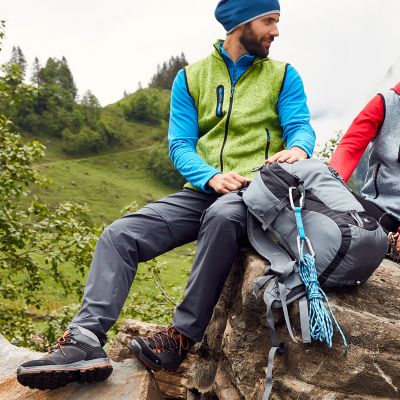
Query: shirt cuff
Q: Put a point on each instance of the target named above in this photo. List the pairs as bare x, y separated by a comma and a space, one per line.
203, 183
302, 146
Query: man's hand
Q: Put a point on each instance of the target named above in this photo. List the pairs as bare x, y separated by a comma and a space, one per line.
394, 240
289, 156
225, 183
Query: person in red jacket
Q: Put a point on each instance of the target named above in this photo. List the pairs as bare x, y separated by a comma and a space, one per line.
377, 124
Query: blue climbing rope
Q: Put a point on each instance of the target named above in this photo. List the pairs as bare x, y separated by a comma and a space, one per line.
321, 325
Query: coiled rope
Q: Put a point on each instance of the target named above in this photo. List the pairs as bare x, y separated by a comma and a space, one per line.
321, 317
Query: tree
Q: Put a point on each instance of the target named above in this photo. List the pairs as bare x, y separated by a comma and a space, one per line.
90, 108
54, 108
57, 72
159, 163
165, 75
17, 97
36, 67
36, 240
18, 58
145, 106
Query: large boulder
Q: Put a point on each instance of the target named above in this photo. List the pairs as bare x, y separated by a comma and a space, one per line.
129, 380
233, 355
230, 362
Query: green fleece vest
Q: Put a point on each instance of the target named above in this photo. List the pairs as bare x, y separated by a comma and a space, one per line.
233, 121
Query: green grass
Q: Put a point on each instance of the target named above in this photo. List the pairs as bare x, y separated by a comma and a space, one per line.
106, 183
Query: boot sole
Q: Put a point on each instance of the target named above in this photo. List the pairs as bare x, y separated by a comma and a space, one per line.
52, 377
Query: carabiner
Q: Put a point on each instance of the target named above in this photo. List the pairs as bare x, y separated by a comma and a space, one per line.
302, 197
300, 248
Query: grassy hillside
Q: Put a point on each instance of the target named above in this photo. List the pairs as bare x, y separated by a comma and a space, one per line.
107, 182
114, 178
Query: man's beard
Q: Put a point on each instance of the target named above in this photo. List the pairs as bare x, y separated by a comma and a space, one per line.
250, 42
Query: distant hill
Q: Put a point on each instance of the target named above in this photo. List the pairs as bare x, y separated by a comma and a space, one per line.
113, 178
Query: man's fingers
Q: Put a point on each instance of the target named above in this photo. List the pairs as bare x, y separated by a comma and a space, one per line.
292, 159
238, 177
231, 184
275, 157
229, 178
284, 157
289, 156
222, 190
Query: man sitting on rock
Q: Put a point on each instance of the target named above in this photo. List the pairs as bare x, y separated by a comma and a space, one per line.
230, 112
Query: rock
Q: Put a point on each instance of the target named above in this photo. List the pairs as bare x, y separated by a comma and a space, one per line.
230, 362
233, 355
129, 380
12, 356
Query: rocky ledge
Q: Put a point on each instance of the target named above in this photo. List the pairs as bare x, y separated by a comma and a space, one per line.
230, 362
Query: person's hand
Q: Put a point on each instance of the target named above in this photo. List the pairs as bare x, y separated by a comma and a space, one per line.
225, 183
394, 240
289, 156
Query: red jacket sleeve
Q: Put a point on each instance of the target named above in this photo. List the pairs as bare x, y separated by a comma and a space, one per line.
353, 144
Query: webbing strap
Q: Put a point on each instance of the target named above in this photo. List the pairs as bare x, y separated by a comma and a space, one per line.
264, 244
299, 222
284, 272
304, 320
260, 283
268, 382
268, 300
283, 292
274, 213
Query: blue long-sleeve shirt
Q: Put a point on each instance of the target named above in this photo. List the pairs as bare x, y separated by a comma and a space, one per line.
183, 131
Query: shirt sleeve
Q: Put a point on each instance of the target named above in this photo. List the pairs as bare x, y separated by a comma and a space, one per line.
354, 143
183, 134
294, 114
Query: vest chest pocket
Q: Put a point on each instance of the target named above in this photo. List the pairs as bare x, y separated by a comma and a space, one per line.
220, 101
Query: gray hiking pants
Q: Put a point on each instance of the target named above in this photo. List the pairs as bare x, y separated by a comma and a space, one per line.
217, 222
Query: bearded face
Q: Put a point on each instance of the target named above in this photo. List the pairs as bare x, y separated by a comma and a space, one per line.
256, 36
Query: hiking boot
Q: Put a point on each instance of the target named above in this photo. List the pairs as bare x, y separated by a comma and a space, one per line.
163, 350
76, 357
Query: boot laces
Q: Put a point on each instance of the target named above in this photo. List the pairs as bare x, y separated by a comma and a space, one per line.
169, 339
63, 340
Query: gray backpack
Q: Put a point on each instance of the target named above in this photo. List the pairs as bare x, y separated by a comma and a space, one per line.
344, 245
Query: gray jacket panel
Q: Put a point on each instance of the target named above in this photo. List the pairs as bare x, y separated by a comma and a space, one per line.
382, 183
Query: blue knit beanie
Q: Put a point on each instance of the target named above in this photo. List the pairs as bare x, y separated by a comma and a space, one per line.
233, 13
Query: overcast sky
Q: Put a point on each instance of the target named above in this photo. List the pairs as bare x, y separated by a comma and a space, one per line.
341, 48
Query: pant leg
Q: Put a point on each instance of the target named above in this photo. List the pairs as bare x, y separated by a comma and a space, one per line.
140, 236
223, 226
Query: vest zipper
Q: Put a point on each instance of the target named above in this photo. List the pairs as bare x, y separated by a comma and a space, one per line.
221, 161
233, 84
376, 173
255, 169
